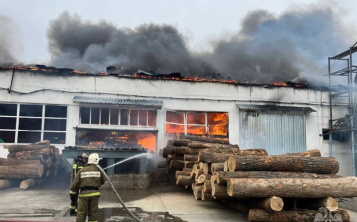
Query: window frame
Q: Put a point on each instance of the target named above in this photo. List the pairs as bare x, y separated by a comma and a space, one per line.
119, 115
43, 118
186, 124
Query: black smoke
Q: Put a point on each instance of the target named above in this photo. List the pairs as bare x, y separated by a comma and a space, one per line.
92, 47
6, 42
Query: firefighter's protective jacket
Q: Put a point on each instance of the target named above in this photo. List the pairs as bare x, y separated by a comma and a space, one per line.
87, 180
77, 166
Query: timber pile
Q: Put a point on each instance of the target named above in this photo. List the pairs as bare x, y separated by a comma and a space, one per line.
289, 187
29, 165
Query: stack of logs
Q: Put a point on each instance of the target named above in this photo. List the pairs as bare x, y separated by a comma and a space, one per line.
29, 165
289, 187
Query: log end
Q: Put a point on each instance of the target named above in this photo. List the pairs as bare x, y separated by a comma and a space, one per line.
331, 204
229, 187
231, 164
276, 203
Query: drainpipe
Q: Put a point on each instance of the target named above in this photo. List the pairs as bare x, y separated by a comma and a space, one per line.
12, 79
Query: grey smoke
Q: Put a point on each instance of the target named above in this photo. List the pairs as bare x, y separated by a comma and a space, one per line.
6, 42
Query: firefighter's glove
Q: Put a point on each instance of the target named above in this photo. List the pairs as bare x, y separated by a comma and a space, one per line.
72, 196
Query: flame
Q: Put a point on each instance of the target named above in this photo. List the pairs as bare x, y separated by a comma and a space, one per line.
217, 124
278, 83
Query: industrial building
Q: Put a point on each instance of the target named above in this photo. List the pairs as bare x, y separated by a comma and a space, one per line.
108, 110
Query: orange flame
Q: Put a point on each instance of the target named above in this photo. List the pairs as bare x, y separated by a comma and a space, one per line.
217, 124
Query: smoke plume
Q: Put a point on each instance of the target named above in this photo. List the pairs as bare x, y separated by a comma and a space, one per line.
266, 48
93, 47
6, 42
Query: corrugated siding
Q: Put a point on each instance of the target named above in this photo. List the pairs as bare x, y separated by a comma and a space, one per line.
277, 133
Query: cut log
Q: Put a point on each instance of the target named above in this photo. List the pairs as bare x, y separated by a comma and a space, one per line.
184, 180
309, 153
215, 167
161, 164
19, 148
237, 205
165, 152
270, 204
173, 157
197, 192
223, 176
29, 183
219, 192
206, 195
316, 203
188, 157
207, 168
202, 145
2, 160
258, 215
225, 166
203, 139
200, 165
212, 157
323, 165
202, 178
198, 173
184, 173
4, 184
47, 162
177, 164
189, 164
213, 181
207, 188
293, 187
22, 171
181, 142
11, 162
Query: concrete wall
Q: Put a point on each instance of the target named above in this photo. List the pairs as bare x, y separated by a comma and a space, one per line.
49, 88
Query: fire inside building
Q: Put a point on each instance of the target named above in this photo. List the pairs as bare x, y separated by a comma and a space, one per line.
145, 110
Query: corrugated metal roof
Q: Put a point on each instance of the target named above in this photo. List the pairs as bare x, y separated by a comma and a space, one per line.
118, 101
264, 108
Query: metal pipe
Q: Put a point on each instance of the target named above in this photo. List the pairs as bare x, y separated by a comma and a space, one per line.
330, 98
12, 79
353, 116
117, 195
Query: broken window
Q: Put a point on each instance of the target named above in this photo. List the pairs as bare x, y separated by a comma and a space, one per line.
25, 123
197, 123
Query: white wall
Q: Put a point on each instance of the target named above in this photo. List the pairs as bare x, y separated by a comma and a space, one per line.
176, 95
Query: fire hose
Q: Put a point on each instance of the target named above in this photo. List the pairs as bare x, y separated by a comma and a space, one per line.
117, 195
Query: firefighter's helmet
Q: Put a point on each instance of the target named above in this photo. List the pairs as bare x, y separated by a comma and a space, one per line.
83, 158
94, 158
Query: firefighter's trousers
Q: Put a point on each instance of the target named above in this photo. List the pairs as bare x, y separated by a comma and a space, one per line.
87, 205
74, 204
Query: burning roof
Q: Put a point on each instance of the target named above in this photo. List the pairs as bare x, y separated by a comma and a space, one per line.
140, 74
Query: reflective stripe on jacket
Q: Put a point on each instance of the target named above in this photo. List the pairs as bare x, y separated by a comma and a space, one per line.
89, 176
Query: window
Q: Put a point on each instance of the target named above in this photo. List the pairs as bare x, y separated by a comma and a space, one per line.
197, 123
27, 123
115, 116
343, 136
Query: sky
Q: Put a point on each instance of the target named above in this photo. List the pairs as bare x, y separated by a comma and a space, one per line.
208, 33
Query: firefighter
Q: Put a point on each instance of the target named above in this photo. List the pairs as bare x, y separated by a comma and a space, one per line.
87, 181
78, 164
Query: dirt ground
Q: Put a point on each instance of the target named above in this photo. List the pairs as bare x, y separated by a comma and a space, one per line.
159, 203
